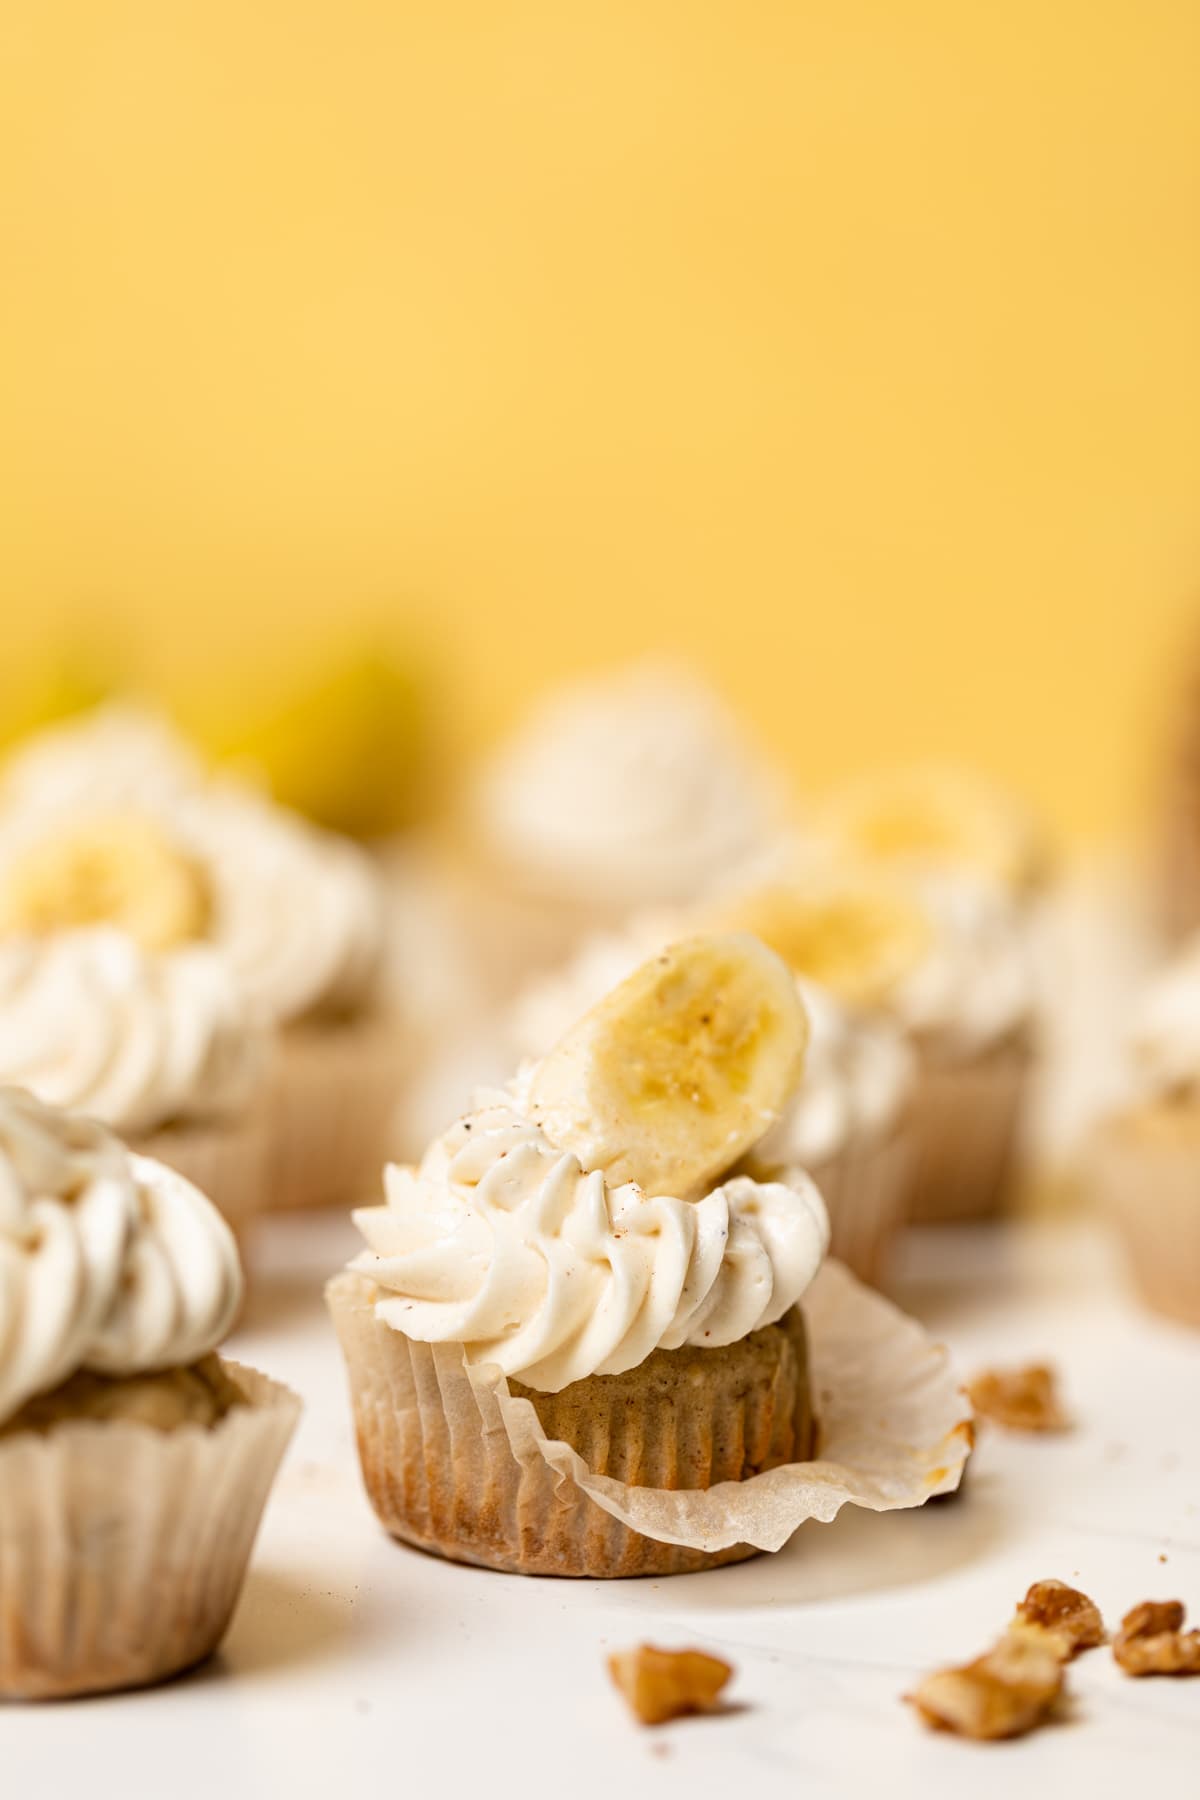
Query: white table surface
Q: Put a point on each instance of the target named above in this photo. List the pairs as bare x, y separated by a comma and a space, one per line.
357, 1666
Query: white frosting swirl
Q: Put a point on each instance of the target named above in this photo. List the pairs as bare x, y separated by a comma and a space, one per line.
108, 1261
1165, 1039
857, 1071
299, 913
502, 1243
90, 1021
975, 985
117, 756
631, 789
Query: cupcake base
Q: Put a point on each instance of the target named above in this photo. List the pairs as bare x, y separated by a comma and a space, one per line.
228, 1163
123, 1548
965, 1116
1144, 1170
441, 1474
331, 1107
866, 1191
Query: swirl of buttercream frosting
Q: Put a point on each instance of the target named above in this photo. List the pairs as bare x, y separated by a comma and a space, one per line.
108, 1261
629, 789
90, 1021
503, 1243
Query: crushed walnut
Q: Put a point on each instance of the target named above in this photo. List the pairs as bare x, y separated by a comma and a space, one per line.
1004, 1694
1019, 1399
1152, 1641
665, 1684
1066, 1619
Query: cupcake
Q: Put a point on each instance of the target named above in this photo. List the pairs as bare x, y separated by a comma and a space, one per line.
848, 1122
88, 835
934, 819
134, 1461
157, 1045
575, 1341
946, 962
1144, 1162
626, 791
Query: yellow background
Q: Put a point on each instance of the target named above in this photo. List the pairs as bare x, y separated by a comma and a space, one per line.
850, 344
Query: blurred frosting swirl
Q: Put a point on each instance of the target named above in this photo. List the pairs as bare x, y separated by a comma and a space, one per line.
108, 1262
974, 986
630, 789
1165, 1038
90, 1021
502, 1243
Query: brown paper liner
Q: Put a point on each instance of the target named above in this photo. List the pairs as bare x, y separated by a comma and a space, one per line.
123, 1549
228, 1162
965, 1115
330, 1106
866, 1190
1146, 1178
456, 1462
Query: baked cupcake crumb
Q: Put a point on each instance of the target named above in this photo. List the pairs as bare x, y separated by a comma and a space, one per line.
1152, 1641
1009, 1691
202, 1394
1024, 1399
660, 1685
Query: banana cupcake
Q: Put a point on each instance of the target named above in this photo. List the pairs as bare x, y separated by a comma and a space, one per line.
158, 1045
946, 962
574, 1343
1144, 1163
173, 857
848, 1122
630, 790
134, 1462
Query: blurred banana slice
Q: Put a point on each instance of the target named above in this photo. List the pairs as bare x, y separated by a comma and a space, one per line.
856, 934
680, 1069
120, 871
932, 816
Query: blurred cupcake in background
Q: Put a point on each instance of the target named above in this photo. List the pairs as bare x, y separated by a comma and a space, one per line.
847, 1125
946, 964
156, 1044
111, 821
629, 790
1144, 1161
932, 819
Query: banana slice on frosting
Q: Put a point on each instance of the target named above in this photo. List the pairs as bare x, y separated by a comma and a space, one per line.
121, 871
678, 1071
854, 934
930, 815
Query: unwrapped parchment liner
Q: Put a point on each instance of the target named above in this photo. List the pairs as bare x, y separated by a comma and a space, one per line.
123, 1549
894, 1429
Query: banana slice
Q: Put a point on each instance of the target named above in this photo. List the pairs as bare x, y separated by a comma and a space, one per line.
680, 1069
929, 814
120, 871
857, 935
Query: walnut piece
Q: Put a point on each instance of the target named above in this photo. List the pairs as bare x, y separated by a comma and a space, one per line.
1152, 1641
1064, 1618
664, 1684
1009, 1691
1019, 1399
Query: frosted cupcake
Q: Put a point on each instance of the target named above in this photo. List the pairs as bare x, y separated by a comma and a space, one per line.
156, 1045
630, 790
134, 1462
1144, 1164
575, 1343
946, 962
110, 821
847, 1124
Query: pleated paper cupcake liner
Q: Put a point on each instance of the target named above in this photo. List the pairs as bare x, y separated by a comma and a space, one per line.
1148, 1185
866, 1189
330, 1106
123, 1549
456, 1462
965, 1119
228, 1162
